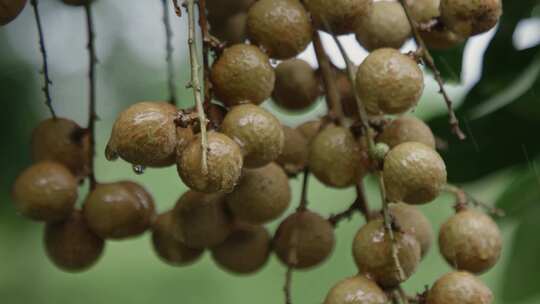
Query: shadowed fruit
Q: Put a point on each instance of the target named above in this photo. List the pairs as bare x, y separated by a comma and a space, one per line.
356, 290
423, 11
441, 38
231, 30
10, 9
340, 15
221, 10
294, 156
310, 129
297, 85
459, 288
412, 221
407, 129
468, 18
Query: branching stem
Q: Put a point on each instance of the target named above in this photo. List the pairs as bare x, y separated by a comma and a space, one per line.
92, 116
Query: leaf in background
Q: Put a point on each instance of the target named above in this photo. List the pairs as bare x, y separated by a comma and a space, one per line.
522, 195
449, 62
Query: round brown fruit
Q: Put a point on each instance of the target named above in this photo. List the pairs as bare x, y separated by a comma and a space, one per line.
339, 15
372, 251
413, 173
468, 18
167, 247
407, 129
245, 251
262, 195
145, 134
389, 82
304, 239
356, 290
224, 161
71, 245
294, 157
459, 288
46, 191
470, 240
297, 85
231, 30
10, 9
440, 38
412, 221
201, 219
424, 11
310, 129
242, 74
257, 131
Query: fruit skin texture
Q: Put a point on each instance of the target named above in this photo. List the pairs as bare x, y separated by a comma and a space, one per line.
224, 160
407, 129
145, 134
280, 27
339, 14
413, 173
412, 221
232, 29
459, 288
71, 245
423, 11
356, 290
262, 195
372, 251
310, 129
245, 251
297, 85
201, 220
470, 240
441, 38
386, 26
335, 157
468, 18
389, 82
10, 9
257, 131
305, 235
119, 210
46, 191
294, 156
167, 247
242, 74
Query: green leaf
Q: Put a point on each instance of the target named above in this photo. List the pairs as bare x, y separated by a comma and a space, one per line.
522, 194
449, 62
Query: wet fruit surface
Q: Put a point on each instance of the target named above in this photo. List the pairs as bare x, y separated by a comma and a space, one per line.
459, 288
356, 290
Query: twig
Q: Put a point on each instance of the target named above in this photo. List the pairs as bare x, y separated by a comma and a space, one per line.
426, 55
169, 49
203, 24
92, 116
303, 196
463, 199
359, 204
45, 68
287, 286
177, 9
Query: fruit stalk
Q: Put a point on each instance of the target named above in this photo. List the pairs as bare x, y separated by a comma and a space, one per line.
92, 116
359, 204
169, 51
203, 24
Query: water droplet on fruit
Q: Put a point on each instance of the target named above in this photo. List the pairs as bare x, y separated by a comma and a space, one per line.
110, 153
138, 169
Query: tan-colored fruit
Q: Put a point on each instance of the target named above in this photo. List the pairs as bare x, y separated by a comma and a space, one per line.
10, 9
294, 156
201, 219
470, 240
372, 251
224, 161
76, 2
339, 15
184, 136
459, 288
262, 195
441, 38
119, 210
423, 11
407, 129
46, 191
297, 85
281, 27
231, 30
63, 141
356, 290
469, 18
335, 157
257, 131
413, 173
304, 239
145, 134
412, 221
386, 26
389, 82
167, 247
242, 74
310, 129
71, 245
245, 251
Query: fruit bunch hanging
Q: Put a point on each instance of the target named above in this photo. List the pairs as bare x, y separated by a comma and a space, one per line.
237, 157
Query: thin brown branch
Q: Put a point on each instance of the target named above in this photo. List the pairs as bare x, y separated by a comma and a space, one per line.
426, 55
177, 9
287, 286
464, 199
92, 116
203, 24
303, 196
169, 50
45, 68
359, 205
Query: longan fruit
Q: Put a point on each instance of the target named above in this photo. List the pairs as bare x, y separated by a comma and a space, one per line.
340, 15
386, 26
262, 194
280, 27
257, 131
407, 129
413, 173
303, 240
167, 247
245, 251
440, 38
231, 30
201, 219
45, 191
372, 252
77, 2
468, 18
294, 156
10, 9
223, 9
71, 245
297, 85
412, 221
389, 82
310, 129
184, 136
346, 93
459, 288
423, 11
119, 210
224, 161
356, 290
470, 240
145, 134
242, 74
